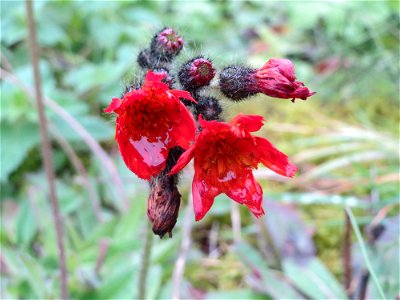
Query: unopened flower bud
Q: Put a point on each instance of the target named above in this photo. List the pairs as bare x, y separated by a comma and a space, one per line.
164, 199
276, 78
163, 204
166, 44
196, 73
144, 59
208, 107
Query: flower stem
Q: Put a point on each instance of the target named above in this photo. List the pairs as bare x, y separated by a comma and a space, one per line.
144, 267
46, 149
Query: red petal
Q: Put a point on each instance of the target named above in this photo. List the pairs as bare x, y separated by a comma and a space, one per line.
210, 124
250, 123
203, 196
152, 77
277, 79
183, 160
285, 67
274, 159
143, 158
114, 105
184, 132
249, 194
182, 94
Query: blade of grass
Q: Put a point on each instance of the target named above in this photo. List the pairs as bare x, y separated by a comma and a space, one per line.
364, 251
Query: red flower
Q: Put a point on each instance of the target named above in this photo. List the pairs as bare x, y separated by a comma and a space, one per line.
277, 79
224, 156
150, 121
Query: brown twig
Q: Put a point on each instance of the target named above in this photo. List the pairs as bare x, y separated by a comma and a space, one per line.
347, 254
80, 130
46, 148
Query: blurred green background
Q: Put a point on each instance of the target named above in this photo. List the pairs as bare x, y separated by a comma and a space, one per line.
345, 140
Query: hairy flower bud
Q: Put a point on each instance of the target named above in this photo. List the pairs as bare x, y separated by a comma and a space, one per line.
276, 78
237, 82
144, 59
129, 88
166, 44
196, 73
208, 107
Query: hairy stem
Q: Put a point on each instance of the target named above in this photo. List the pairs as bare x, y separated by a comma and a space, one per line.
46, 148
144, 267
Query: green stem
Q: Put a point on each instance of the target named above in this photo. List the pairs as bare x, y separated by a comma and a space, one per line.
364, 252
144, 267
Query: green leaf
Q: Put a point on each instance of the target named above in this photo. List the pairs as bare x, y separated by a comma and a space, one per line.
26, 224
153, 282
234, 294
16, 141
35, 276
268, 281
313, 279
120, 284
98, 128
90, 76
317, 198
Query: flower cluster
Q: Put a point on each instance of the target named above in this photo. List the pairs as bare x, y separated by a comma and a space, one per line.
157, 133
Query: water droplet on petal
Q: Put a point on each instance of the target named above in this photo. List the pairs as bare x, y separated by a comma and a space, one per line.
153, 153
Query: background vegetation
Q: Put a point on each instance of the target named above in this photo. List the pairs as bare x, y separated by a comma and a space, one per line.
344, 139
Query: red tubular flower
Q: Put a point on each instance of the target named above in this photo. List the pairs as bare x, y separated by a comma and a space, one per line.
277, 79
224, 156
150, 121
